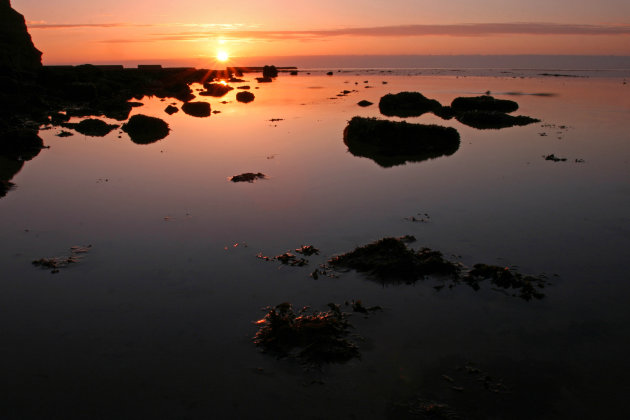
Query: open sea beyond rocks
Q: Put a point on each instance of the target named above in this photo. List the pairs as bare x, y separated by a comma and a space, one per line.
164, 264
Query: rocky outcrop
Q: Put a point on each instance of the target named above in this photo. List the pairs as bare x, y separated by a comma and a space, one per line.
18, 55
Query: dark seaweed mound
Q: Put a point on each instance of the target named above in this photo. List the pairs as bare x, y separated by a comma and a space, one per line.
407, 104
391, 143
389, 259
314, 338
505, 278
143, 129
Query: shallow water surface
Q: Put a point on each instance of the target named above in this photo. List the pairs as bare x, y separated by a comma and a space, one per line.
156, 319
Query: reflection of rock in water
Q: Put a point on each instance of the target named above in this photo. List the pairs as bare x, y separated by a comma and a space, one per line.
483, 120
16, 147
143, 129
391, 143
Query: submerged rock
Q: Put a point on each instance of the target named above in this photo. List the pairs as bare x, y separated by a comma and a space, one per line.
391, 143
364, 103
92, 127
407, 104
197, 109
315, 338
245, 97
143, 129
492, 119
483, 103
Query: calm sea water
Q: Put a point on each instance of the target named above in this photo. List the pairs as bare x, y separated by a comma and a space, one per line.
155, 321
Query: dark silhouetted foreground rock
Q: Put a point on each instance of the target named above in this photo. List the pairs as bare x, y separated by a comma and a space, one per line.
245, 97
483, 103
143, 129
364, 103
92, 127
391, 143
315, 338
407, 104
492, 119
215, 89
197, 109
248, 177
20, 144
18, 56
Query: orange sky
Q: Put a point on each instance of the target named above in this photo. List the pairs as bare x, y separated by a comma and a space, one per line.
73, 31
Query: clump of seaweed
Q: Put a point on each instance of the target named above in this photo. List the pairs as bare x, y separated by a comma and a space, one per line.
407, 104
92, 127
55, 263
482, 119
483, 103
307, 250
315, 338
197, 109
248, 177
555, 158
505, 278
245, 97
391, 143
390, 260
143, 129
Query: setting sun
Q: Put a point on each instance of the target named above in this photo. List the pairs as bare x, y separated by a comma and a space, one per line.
222, 56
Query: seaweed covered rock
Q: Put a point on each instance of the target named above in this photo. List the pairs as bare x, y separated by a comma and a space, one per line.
313, 338
215, 89
245, 97
197, 109
483, 103
492, 119
407, 104
391, 143
143, 129
92, 127
270, 71
390, 260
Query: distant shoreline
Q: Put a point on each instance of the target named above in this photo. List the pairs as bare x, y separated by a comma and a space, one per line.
527, 62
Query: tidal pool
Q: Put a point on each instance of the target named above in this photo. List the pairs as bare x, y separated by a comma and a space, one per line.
156, 318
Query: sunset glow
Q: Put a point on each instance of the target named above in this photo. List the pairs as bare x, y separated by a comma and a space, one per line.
222, 56
70, 31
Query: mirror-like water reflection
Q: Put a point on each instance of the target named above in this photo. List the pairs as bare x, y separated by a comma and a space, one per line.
156, 319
